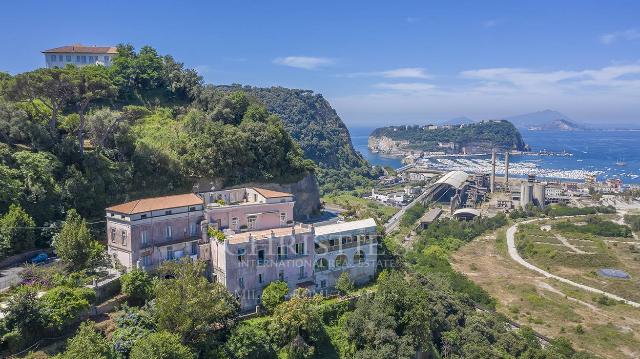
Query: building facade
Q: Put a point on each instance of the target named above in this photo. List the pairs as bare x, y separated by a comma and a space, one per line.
261, 243
145, 232
79, 55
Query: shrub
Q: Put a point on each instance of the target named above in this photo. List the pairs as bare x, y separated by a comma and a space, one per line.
161, 345
137, 285
250, 341
63, 305
344, 284
274, 294
88, 343
132, 325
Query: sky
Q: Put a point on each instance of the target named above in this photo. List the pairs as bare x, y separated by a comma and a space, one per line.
377, 62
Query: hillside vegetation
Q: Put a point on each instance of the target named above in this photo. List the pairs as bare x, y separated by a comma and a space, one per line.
88, 137
323, 137
481, 136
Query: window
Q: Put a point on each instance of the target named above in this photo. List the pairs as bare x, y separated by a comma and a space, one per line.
241, 282
53, 58
167, 212
194, 248
143, 216
78, 58
68, 58
283, 218
323, 283
282, 252
321, 265
234, 222
260, 278
169, 232
84, 59
358, 257
281, 275
241, 254
60, 58
106, 59
193, 228
332, 242
192, 209
251, 222
113, 235
299, 247
169, 253
301, 273
255, 197
261, 257
124, 237
146, 260
341, 260
144, 238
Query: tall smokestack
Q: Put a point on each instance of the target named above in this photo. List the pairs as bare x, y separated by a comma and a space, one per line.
493, 170
506, 169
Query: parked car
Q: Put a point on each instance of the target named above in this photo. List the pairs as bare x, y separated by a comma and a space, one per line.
40, 258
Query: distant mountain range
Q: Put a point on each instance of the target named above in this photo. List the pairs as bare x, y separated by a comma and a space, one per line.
544, 120
547, 120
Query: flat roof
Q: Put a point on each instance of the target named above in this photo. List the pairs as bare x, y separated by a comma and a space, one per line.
431, 215
264, 234
345, 226
267, 193
156, 203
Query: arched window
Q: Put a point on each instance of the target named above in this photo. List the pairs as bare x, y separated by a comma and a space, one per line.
321, 265
341, 260
359, 257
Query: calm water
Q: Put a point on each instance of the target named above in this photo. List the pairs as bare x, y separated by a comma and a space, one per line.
592, 150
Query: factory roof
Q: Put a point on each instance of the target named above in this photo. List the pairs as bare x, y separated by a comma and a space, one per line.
466, 212
345, 227
431, 216
454, 179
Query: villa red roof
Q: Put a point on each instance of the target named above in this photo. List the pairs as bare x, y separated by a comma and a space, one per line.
267, 193
81, 49
157, 203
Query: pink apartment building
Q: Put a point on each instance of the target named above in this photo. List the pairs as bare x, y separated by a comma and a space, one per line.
145, 232
261, 242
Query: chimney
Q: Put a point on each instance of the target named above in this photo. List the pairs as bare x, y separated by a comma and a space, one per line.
493, 170
506, 170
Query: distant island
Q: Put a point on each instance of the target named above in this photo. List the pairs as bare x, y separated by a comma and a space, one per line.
480, 137
547, 120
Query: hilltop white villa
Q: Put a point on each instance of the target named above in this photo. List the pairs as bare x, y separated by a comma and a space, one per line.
79, 55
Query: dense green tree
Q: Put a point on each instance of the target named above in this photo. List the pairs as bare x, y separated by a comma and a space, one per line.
52, 87
17, 231
63, 304
161, 345
297, 324
75, 246
24, 314
40, 195
101, 124
90, 84
274, 294
190, 306
137, 285
249, 341
344, 284
88, 343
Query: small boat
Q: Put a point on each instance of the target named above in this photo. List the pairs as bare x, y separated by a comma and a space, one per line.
620, 164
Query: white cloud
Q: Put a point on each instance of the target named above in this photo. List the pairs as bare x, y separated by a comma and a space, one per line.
630, 34
304, 62
403, 72
406, 86
598, 95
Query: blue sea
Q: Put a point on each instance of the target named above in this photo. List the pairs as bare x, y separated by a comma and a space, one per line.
592, 150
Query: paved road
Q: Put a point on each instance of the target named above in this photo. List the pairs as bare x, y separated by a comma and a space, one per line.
513, 252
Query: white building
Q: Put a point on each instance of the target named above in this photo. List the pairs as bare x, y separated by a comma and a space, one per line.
79, 55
